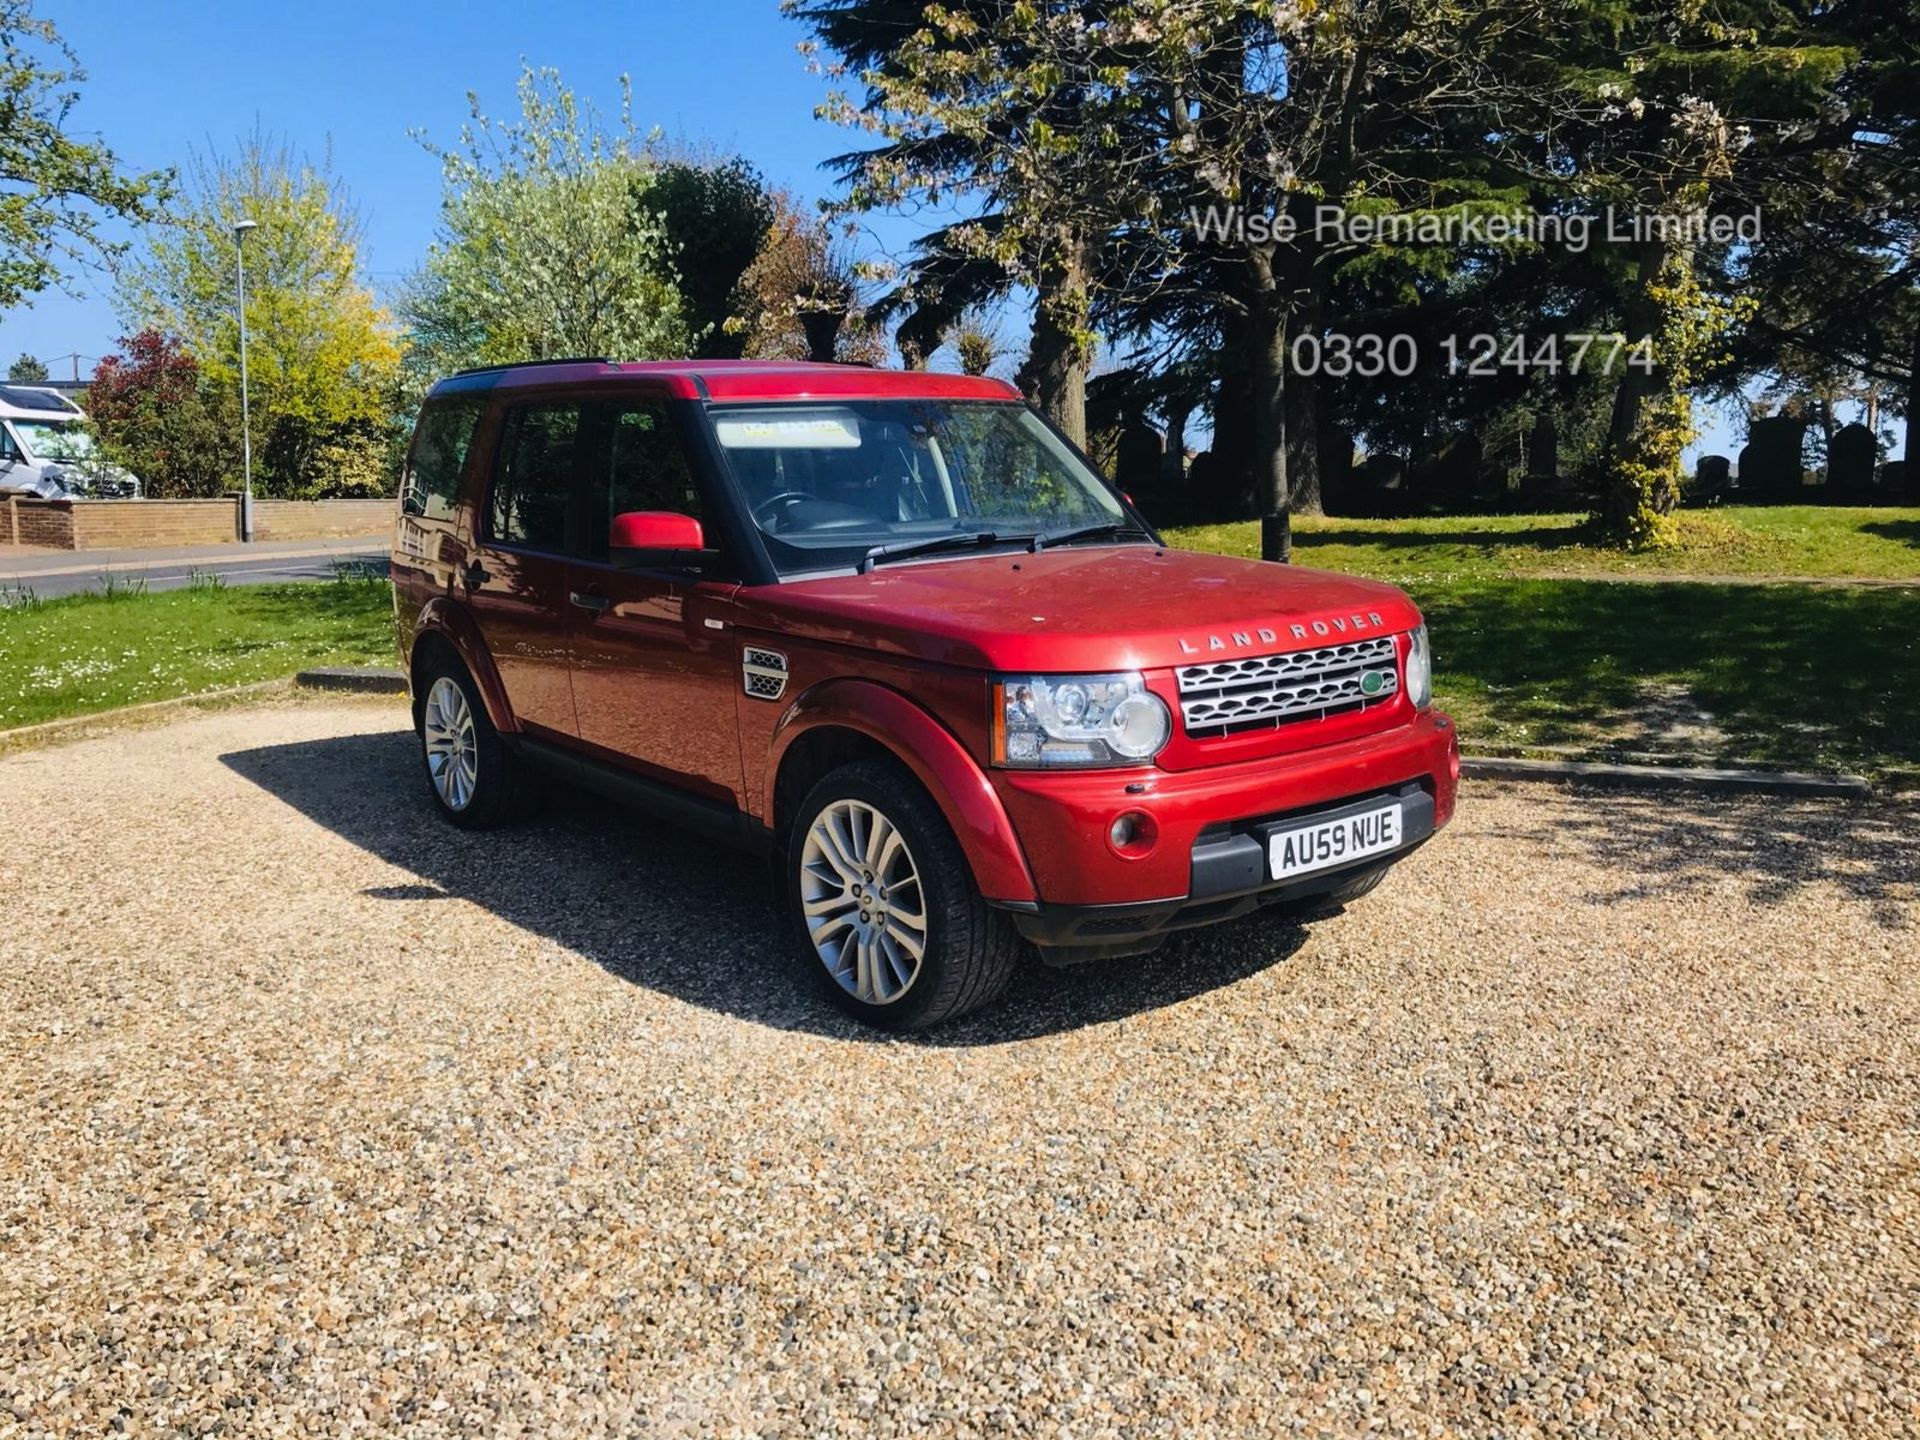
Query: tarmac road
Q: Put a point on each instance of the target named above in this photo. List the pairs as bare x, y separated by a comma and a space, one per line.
50, 574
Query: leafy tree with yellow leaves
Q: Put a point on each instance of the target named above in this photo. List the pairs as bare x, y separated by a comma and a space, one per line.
323, 355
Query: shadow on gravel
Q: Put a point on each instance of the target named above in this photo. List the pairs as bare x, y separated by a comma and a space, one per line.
666, 909
1773, 848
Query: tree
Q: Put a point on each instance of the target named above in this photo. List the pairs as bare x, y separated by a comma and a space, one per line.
323, 357
55, 190
715, 217
549, 245
1668, 114
799, 300
1835, 274
976, 342
157, 416
1098, 133
1013, 109
27, 371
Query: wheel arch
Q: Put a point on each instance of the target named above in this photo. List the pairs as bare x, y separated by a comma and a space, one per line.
444, 629
846, 720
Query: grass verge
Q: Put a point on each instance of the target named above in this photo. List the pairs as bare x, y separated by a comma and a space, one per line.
1794, 676
1783, 540
1787, 676
87, 653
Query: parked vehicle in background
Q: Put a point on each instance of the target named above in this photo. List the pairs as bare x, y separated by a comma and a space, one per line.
892, 629
46, 450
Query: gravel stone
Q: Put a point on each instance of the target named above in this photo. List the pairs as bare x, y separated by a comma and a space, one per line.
322, 1118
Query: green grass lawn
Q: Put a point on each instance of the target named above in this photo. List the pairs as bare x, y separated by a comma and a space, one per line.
1794, 676
1802, 676
1790, 675
94, 652
1788, 540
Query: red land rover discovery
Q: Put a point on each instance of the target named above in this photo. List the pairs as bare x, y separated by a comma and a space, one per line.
895, 630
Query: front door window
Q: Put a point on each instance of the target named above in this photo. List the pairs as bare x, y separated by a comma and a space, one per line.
655, 674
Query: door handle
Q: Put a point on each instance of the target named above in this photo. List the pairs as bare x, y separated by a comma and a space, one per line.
598, 604
474, 574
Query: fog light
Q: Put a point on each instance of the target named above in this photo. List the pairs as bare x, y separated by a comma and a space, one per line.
1133, 834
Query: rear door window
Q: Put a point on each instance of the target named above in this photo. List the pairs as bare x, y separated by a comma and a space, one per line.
431, 486
534, 501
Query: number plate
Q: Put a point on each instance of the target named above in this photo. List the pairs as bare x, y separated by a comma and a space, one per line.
1328, 843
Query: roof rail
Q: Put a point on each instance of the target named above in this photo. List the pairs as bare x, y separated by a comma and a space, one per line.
529, 364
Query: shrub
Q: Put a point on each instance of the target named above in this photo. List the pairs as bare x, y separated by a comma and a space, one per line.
156, 414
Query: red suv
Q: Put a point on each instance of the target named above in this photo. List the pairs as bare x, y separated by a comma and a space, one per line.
892, 629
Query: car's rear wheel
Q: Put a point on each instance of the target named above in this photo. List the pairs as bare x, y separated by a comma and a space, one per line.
473, 776
883, 904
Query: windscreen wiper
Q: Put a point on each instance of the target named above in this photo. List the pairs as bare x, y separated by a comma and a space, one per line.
961, 540
1115, 528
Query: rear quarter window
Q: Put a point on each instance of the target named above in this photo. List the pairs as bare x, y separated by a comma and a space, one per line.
431, 486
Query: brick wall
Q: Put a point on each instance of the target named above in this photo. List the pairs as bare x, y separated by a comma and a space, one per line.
117, 524
321, 519
129, 524
38, 522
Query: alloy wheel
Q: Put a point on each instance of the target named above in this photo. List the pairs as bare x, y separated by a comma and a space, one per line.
860, 894
452, 755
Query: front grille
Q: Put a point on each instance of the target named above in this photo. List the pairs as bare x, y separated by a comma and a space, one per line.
1230, 697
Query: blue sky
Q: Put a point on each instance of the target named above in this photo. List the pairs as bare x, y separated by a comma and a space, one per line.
166, 79
357, 76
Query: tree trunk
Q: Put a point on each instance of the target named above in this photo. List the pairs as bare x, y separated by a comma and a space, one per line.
1056, 368
1640, 482
1303, 445
822, 329
1642, 321
1268, 352
1173, 457
1912, 451
1230, 466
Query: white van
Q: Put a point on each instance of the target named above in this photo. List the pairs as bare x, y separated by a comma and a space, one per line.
47, 450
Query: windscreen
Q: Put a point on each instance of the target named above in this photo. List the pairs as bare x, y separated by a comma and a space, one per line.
827, 483
56, 439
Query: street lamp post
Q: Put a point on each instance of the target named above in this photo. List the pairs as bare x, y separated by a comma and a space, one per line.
240, 229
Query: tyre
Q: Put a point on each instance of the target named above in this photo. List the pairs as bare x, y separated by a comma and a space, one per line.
473, 775
1362, 882
883, 906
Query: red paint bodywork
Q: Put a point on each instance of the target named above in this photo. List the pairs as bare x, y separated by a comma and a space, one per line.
903, 656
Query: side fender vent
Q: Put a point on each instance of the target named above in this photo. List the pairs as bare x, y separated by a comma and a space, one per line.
765, 672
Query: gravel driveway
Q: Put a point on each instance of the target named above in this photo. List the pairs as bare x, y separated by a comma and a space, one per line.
319, 1117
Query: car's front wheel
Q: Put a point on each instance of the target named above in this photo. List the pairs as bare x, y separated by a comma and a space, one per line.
883, 904
1361, 882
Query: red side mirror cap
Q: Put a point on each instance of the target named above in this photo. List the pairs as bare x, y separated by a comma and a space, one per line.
655, 530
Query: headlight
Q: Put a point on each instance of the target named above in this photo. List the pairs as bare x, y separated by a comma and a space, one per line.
1419, 669
1042, 721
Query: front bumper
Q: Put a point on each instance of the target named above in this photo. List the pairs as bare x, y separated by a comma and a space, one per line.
1063, 818
1229, 879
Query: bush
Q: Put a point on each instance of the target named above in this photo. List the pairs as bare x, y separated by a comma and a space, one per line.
155, 414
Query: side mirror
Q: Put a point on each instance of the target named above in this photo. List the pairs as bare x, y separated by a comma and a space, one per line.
642, 539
